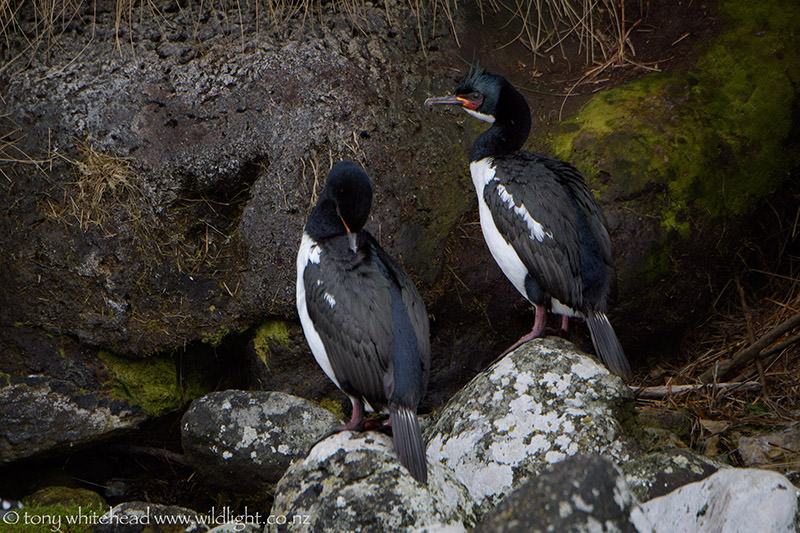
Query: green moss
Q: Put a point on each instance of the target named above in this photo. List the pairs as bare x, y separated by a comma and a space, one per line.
217, 338
75, 518
66, 496
5, 379
152, 384
718, 139
268, 333
332, 406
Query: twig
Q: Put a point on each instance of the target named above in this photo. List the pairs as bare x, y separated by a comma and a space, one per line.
159, 453
723, 368
663, 391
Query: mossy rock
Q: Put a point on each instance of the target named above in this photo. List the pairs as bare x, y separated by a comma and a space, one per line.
65, 496
681, 160
157, 384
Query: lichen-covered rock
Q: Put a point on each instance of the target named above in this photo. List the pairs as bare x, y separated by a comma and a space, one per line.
241, 439
657, 474
43, 415
143, 517
539, 404
354, 482
733, 499
581, 493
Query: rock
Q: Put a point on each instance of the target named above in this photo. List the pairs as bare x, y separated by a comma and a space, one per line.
733, 499
237, 527
538, 405
143, 517
66, 497
44, 415
354, 482
657, 474
242, 440
581, 493
776, 447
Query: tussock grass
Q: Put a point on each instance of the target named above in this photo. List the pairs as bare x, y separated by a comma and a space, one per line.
599, 26
103, 183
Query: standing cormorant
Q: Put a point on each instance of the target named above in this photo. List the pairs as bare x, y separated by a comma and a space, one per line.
363, 318
539, 219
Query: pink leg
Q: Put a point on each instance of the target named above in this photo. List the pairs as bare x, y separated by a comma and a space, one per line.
356, 422
539, 322
564, 324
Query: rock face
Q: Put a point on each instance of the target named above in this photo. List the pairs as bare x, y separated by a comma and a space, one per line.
733, 499
538, 405
581, 493
46, 415
242, 440
354, 482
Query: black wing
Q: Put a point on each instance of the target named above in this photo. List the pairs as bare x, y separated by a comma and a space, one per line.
576, 245
414, 306
349, 302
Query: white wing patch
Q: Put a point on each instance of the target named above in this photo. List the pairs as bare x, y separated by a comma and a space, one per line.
330, 299
535, 227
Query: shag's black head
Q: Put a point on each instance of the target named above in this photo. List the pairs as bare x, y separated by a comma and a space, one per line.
349, 188
479, 91
492, 98
344, 204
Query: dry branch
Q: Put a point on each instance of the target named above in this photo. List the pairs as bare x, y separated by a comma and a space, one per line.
723, 368
662, 391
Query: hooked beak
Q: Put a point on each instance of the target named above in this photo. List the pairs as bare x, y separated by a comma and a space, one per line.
446, 100
352, 238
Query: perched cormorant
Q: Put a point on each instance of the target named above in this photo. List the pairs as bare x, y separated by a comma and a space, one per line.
539, 219
363, 318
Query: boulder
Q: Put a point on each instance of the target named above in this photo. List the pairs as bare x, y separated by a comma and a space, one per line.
242, 440
45, 415
354, 482
656, 474
581, 493
733, 499
541, 403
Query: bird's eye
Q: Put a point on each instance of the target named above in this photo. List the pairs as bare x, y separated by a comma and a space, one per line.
475, 96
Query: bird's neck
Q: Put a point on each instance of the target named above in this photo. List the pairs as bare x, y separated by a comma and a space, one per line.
324, 221
510, 129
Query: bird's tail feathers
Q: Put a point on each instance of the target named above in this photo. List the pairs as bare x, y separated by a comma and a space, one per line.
408, 442
607, 345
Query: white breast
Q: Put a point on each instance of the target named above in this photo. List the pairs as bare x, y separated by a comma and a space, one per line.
504, 254
310, 252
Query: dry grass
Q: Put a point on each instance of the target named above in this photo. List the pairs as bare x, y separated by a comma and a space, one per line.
769, 399
105, 194
599, 27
